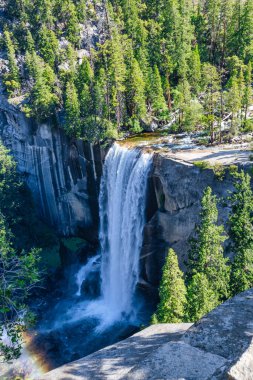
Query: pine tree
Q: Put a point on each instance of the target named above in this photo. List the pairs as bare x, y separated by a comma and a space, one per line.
117, 74
206, 252
223, 35
195, 71
213, 8
43, 12
172, 292
157, 98
30, 45
136, 91
72, 109
81, 9
247, 28
241, 233
200, 297
12, 79
44, 98
248, 91
85, 100
48, 45
84, 75
211, 85
72, 26
182, 100
233, 103
100, 95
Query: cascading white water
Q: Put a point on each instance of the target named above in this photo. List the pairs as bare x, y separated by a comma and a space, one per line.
82, 274
122, 202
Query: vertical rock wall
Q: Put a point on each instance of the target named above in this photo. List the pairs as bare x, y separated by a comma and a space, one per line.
62, 174
176, 189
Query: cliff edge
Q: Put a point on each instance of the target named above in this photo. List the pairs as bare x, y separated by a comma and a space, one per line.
219, 346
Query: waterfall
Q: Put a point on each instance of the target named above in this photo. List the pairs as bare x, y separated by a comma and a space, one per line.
82, 274
122, 202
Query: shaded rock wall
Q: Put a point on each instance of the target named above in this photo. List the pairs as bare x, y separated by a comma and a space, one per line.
177, 188
62, 174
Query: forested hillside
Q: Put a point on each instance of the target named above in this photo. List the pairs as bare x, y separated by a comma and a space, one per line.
189, 62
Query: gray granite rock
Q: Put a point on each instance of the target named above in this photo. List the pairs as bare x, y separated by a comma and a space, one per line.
218, 347
177, 187
177, 360
115, 361
62, 174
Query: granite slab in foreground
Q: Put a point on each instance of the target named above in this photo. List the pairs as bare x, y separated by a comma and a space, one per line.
219, 346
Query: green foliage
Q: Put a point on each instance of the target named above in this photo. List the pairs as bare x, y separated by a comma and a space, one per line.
206, 252
12, 79
18, 269
72, 108
157, 99
210, 280
241, 232
208, 270
136, 100
172, 292
202, 165
84, 75
48, 45
72, 26
43, 98
200, 297
218, 169
152, 59
74, 243
19, 274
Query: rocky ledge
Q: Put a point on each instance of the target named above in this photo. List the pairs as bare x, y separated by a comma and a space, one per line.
219, 346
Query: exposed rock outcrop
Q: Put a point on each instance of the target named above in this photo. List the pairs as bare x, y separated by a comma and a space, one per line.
218, 347
63, 174
177, 188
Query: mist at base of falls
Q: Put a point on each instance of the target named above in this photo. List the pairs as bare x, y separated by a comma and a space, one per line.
99, 303
71, 326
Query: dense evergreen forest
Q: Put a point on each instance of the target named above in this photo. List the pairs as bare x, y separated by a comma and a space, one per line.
183, 62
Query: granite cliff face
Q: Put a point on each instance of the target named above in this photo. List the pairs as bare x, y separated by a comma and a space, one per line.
62, 174
176, 189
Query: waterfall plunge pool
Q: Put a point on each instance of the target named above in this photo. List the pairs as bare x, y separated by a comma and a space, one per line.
75, 321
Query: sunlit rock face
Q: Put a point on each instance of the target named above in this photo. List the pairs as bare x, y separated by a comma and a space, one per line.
62, 174
176, 189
